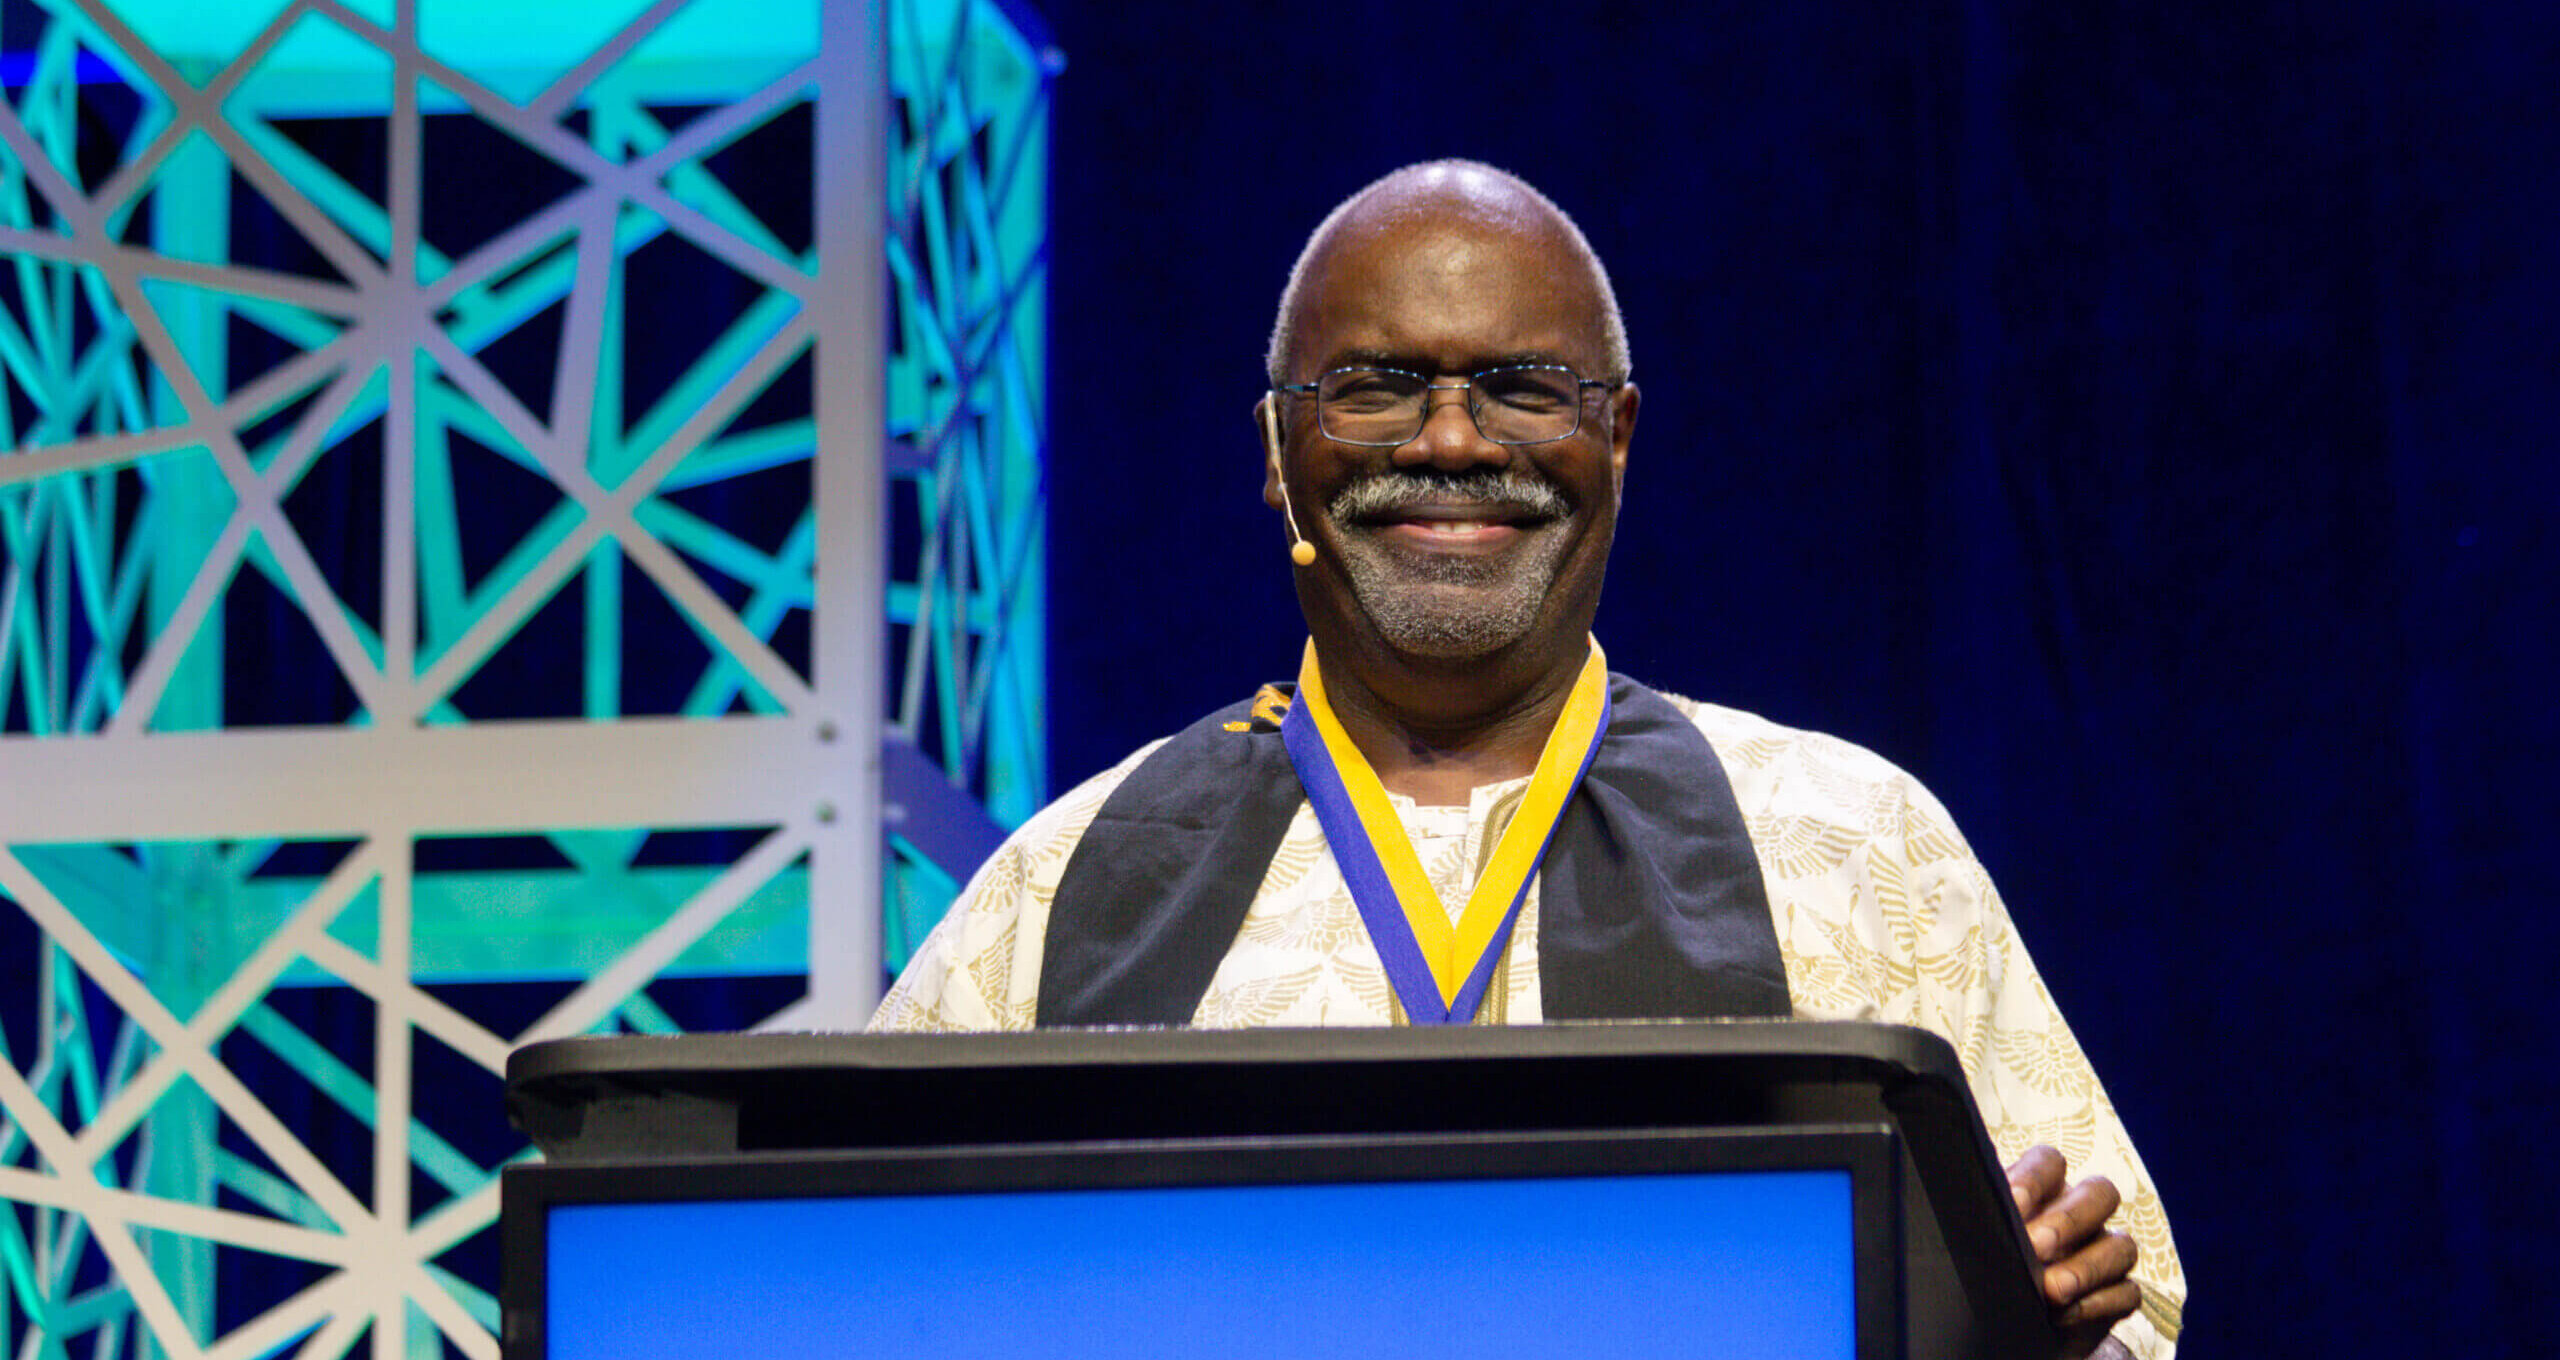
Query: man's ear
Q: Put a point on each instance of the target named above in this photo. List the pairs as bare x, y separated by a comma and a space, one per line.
1266, 418
1622, 430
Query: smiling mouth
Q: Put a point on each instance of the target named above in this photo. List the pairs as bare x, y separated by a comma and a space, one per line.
1454, 527
1483, 512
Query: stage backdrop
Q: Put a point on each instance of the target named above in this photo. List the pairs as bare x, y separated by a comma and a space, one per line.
2135, 418
445, 453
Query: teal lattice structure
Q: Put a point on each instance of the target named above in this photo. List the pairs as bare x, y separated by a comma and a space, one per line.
580, 612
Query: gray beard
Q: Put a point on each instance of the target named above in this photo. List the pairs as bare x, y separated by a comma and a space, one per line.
1448, 607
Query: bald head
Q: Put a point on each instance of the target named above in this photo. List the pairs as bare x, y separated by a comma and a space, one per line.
1452, 195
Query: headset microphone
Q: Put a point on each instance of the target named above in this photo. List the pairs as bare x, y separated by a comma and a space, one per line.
1300, 550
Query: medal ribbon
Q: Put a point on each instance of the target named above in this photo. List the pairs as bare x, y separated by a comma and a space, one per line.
1440, 971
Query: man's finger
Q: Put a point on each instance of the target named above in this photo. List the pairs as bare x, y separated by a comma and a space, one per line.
2093, 1269
2104, 1308
2035, 1178
2063, 1226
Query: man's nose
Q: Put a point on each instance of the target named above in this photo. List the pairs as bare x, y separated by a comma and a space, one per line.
1449, 439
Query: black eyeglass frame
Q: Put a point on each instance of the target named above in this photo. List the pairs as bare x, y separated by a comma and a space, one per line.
1475, 405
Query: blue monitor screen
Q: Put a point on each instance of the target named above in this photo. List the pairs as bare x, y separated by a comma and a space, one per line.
1733, 1264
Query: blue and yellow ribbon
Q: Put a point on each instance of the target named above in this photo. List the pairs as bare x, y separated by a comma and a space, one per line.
1440, 970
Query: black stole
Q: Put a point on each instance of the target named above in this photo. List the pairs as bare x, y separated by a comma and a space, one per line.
1650, 904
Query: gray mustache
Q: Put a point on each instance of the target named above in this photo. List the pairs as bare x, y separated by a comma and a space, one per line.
1388, 492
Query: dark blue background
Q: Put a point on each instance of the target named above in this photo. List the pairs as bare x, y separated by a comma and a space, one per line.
2135, 418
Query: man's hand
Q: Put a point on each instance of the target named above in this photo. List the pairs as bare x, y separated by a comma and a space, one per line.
2086, 1268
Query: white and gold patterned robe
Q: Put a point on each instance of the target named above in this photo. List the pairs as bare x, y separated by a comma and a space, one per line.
1882, 914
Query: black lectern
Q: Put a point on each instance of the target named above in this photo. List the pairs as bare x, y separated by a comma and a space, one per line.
1735, 1189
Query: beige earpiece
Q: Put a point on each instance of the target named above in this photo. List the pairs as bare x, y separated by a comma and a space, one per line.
1300, 550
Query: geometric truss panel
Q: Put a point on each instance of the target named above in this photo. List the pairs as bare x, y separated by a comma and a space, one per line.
966, 354
284, 1109
460, 461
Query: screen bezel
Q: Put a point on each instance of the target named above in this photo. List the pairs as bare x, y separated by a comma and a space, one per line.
1868, 1154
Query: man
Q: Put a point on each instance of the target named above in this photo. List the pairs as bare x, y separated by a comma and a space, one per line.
1457, 816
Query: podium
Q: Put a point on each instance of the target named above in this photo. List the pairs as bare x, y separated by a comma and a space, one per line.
1735, 1189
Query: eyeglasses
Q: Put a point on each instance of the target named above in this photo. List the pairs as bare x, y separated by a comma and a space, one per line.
1386, 407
